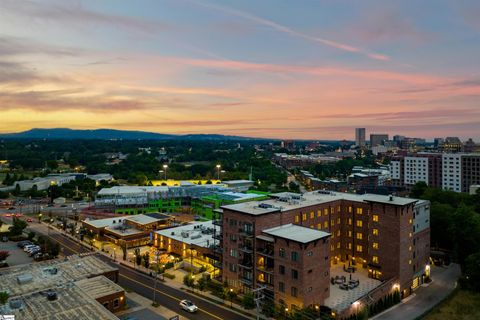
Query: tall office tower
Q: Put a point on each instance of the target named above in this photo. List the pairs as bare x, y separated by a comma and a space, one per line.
360, 137
378, 139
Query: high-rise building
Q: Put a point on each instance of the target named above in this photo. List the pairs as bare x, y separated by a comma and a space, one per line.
360, 137
451, 144
378, 139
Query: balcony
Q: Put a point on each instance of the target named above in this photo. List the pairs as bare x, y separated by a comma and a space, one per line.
218, 236
218, 265
217, 249
246, 249
266, 269
245, 264
245, 232
245, 280
265, 252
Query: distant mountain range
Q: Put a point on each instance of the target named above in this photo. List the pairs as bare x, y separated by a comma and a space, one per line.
112, 134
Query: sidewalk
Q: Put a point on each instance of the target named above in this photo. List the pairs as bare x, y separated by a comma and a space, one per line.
176, 283
140, 305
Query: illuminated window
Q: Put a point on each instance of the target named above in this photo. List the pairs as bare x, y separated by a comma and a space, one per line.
339, 209
297, 219
332, 210
359, 211
409, 261
349, 233
375, 259
332, 222
359, 223
375, 245
410, 234
375, 232
410, 221
338, 245
304, 216
375, 217
325, 224
359, 248
312, 215
359, 235
410, 248
338, 220
349, 221
312, 226
319, 213
325, 212
338, 233
332, 247
350, 209
319, 226
349, 246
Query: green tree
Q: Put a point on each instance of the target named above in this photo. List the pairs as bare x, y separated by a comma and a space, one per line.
17, 227
55, 249
4, 255
31, 235
465, 232
248, 301
146, 260
201, 284
472, 272
188, 280
4, 297
137, 256
418, 190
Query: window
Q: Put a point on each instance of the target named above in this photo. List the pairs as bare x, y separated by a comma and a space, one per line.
325, 224
349, 221
338, 209
294, 274
375, 259
375, 245
359, 223
281, 269
359, 235
312, 215
349, 233
332, 210
294, 256
232, 267
350, 209
310, 289
338, 245
332, 222
338, 233
309, 253
281, 252
349, 245
319, 213
325, 212
116, 303
281, 287
375, 232
297, 219
319, 226
338, 220
233, 253
294, 292
359, 210
304, 216
359, 248
375, 217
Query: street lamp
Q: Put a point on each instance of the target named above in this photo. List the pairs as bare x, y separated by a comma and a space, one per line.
165, 167
218, 171
231, 298
39, 217
114, 254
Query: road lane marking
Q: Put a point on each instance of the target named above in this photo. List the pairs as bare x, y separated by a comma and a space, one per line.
166, 294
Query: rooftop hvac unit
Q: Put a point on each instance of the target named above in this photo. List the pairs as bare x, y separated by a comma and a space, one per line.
196, 236
185, 234
24, 278
265, 205
15, 303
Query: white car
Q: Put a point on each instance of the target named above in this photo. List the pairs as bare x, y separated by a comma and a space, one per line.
188, 305
26, 248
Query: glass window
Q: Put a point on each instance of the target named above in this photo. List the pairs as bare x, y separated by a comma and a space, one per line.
281, 287
375, 232
294, 292
294, 274
297, 219
359, 248
359, 223
281, 269
304, 216
312, 215
375, 245
359, 235
281, 252
359, 210
375, 217
294, 256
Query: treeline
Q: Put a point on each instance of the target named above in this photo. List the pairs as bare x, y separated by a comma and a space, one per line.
455, 226
342, 168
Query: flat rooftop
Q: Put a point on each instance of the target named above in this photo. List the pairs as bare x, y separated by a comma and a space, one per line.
72, 303
285, 201
198, 233
142, 219
296, 233
47, 274
98, 287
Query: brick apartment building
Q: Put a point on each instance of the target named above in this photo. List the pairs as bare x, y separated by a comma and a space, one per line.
289, 243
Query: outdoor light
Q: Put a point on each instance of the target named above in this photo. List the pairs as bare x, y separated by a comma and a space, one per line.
356, 303
396, 286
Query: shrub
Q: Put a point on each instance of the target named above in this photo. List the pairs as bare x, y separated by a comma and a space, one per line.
247, 301
169, 275
4, 297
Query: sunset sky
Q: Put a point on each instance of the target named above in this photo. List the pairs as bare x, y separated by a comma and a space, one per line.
262, 68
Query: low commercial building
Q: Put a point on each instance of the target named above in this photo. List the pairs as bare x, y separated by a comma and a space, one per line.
62, 289
238, 185
198, 240
133, 231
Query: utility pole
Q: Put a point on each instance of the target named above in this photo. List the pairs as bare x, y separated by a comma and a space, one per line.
157, 253
259, 296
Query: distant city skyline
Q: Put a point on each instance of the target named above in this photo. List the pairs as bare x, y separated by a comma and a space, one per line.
249, 68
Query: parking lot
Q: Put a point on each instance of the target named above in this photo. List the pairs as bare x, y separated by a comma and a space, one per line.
17, 255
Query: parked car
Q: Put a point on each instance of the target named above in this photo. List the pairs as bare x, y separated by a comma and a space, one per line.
34, 252
24, 243
188, 305
29, 220
11, 208
29, 247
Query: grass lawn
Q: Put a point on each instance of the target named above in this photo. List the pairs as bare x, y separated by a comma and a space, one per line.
463, 305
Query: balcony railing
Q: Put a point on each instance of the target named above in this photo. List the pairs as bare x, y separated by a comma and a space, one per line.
245, 232
265, 252
218, 265
246, 264
245, 280
246, 249
265, 269
218, 236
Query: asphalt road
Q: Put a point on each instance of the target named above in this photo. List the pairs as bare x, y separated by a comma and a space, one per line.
143, 284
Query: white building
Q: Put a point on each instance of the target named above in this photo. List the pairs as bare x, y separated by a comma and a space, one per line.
415, 170
452, 171
395, 167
